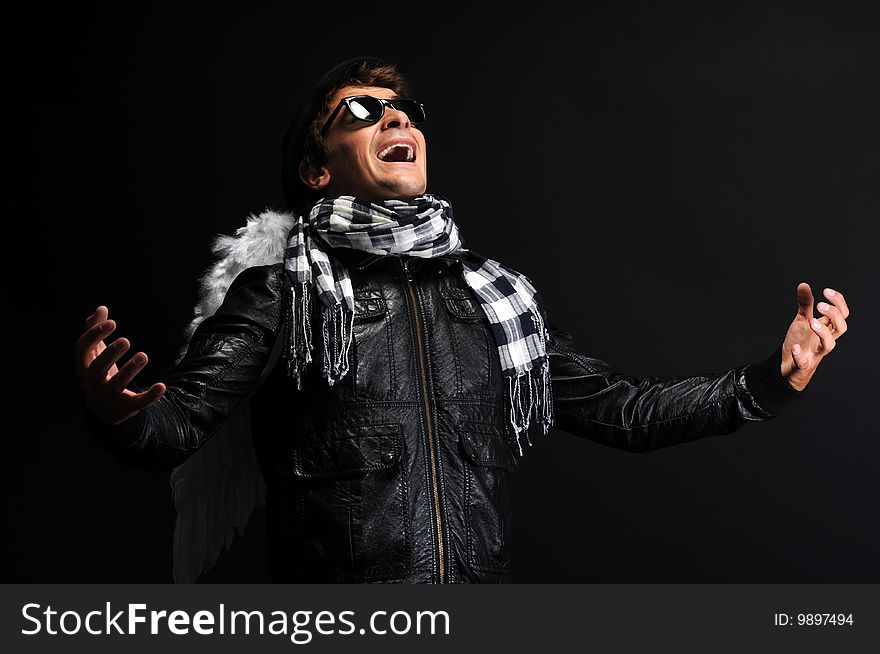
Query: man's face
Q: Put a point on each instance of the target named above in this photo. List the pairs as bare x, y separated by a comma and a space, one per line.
354, 166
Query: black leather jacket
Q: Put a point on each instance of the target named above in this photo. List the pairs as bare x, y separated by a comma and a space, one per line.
401, 471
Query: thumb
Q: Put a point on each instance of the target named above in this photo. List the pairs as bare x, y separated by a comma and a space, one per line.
799, 356
805, 300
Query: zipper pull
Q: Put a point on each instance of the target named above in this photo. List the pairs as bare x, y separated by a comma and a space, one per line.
404, 261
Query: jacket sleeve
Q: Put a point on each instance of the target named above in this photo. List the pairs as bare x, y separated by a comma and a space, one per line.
595, 401
223, 364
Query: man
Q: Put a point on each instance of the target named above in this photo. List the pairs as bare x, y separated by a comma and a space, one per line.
392, 374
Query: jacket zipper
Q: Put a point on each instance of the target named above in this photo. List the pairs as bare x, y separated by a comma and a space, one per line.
423, 375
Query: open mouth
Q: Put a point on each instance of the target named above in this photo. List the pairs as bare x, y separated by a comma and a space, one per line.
397, 153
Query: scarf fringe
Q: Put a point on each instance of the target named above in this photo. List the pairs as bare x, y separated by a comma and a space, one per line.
531, 398
336, 336
299, 331
539, 392
337, 331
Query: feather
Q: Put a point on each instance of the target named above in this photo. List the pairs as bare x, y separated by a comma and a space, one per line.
216, 490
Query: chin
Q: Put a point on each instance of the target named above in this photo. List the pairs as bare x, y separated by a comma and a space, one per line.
410, 191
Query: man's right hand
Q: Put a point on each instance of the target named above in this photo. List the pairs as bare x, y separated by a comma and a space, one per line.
103, 384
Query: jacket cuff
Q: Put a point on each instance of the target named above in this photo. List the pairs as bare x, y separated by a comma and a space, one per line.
769, 388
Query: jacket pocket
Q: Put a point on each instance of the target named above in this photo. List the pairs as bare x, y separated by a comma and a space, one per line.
352, 523
486, 445
371, 358
468, 364
488, 461
349, 452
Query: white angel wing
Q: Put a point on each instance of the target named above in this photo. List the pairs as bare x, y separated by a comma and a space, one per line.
216, 490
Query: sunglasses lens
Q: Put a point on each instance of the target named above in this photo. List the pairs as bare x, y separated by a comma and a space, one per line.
366, 108
411, 108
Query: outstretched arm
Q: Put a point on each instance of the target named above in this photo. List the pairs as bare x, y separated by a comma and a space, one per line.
595, 401
223, 364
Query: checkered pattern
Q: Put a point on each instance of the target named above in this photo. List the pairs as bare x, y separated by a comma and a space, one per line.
426, 228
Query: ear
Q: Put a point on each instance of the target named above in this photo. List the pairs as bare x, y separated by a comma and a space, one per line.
315, 177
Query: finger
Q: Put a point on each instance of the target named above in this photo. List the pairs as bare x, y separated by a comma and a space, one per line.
102, 363
153, 393
836, 298
837, 323
120, 381
825, 320
805, 300
825, 336
90, 339
100, 315
799, 357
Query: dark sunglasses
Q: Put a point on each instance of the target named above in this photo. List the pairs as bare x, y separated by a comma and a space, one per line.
370, 109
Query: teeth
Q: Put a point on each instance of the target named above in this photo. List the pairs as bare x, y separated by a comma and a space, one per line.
410, 154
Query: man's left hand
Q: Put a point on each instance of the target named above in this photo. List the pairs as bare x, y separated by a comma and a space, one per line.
809, 339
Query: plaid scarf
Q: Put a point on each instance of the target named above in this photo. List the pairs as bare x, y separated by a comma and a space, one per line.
422, 228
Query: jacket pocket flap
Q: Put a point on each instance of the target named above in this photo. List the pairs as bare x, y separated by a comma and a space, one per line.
463, 307
350, 451
487, 445
369, 306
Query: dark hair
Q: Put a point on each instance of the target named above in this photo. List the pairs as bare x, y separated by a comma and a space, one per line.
303, 144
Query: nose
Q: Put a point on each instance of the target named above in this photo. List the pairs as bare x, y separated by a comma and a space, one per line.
395, 118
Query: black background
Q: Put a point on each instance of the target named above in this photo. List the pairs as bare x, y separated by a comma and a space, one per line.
665, 173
